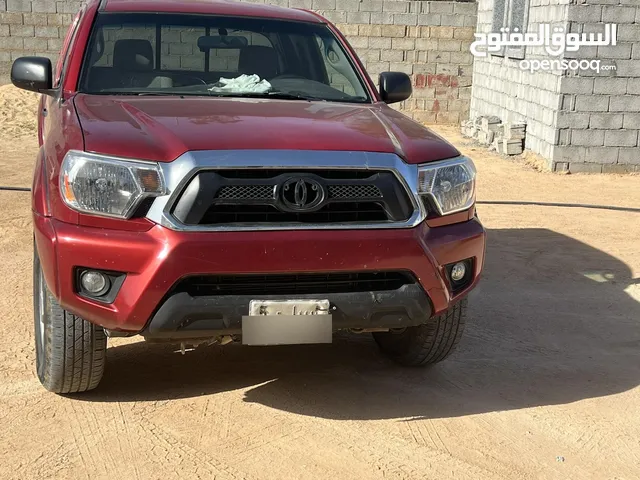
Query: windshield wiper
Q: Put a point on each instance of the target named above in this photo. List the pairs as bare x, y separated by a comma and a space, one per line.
282, 95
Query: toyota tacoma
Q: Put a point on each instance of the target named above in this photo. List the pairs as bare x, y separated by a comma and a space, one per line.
216, 172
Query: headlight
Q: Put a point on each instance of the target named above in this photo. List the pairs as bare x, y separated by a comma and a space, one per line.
450, 184
108, 186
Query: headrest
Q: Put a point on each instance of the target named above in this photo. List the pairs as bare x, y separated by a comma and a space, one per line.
133, 55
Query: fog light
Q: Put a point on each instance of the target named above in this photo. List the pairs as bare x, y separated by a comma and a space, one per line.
458, 271
95, 283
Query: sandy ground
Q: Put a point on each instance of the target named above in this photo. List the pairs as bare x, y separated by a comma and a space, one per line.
544, 385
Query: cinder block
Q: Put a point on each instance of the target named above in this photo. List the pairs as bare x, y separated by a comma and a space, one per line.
585, 168
447, 117
405, 19
631, 120
395, 7
465, 8
560, 167
601, 155
610, 86
622, 51
306, 4
577, 85
453, 20
586, 13
392, 55
21, 30
620, 168
627, 68
323, 4
401, 67
511, 147
348, 30
621, 138
371, 6
449, 45
572, 120
628, 33
359, 42
44, 6
35, 44
370, 31
403, 43
34, 19
441, 32
461, 58
11, 18
606, 121
54, 44
592, 103
625, 103
569, 153
430, 19
19, 5
633, 85
436, 56
13, 43
587, 138
396, 31
349, 5
68, 6
618, 14
426, 44
380, 42
441, 7
629, 156
335, 16
381, 18
358, 17
463, 33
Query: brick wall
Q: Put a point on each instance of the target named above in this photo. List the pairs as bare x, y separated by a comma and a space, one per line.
502, 89
580, 121
429, 40
599, 118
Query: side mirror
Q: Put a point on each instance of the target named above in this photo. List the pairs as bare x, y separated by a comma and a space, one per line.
33, 74
395, 86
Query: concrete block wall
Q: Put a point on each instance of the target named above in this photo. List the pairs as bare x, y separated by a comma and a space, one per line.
599, 116
429, 40
502, 88
580, 121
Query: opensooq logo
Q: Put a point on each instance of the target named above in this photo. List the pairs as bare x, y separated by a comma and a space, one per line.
555, 43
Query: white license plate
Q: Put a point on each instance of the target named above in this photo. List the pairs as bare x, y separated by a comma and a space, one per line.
288, 307
287, 322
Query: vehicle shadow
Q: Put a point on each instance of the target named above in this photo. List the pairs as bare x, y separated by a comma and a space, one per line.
550, 323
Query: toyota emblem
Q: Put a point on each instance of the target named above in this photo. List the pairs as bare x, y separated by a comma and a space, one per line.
302, 193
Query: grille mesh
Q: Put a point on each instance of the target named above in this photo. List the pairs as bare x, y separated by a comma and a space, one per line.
246, 192
294, 284
354, 191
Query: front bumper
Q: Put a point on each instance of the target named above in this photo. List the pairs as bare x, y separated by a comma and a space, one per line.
157, 259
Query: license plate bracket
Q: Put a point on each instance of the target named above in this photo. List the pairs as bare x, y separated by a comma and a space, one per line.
287, 322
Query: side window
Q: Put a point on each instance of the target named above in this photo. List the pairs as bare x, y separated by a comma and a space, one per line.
64, 52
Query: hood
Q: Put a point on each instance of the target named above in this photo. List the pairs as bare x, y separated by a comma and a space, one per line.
163, 128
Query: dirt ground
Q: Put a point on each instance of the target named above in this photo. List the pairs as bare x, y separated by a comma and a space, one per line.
544, 385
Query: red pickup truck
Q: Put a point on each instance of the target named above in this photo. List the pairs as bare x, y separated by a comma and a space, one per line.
212, 172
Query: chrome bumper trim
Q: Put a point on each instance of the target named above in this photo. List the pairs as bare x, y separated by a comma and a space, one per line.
179, 172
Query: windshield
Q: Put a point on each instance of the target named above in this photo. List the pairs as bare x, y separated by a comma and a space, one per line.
169, 54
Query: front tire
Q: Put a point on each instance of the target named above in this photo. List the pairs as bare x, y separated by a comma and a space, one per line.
70, 352
425, 344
